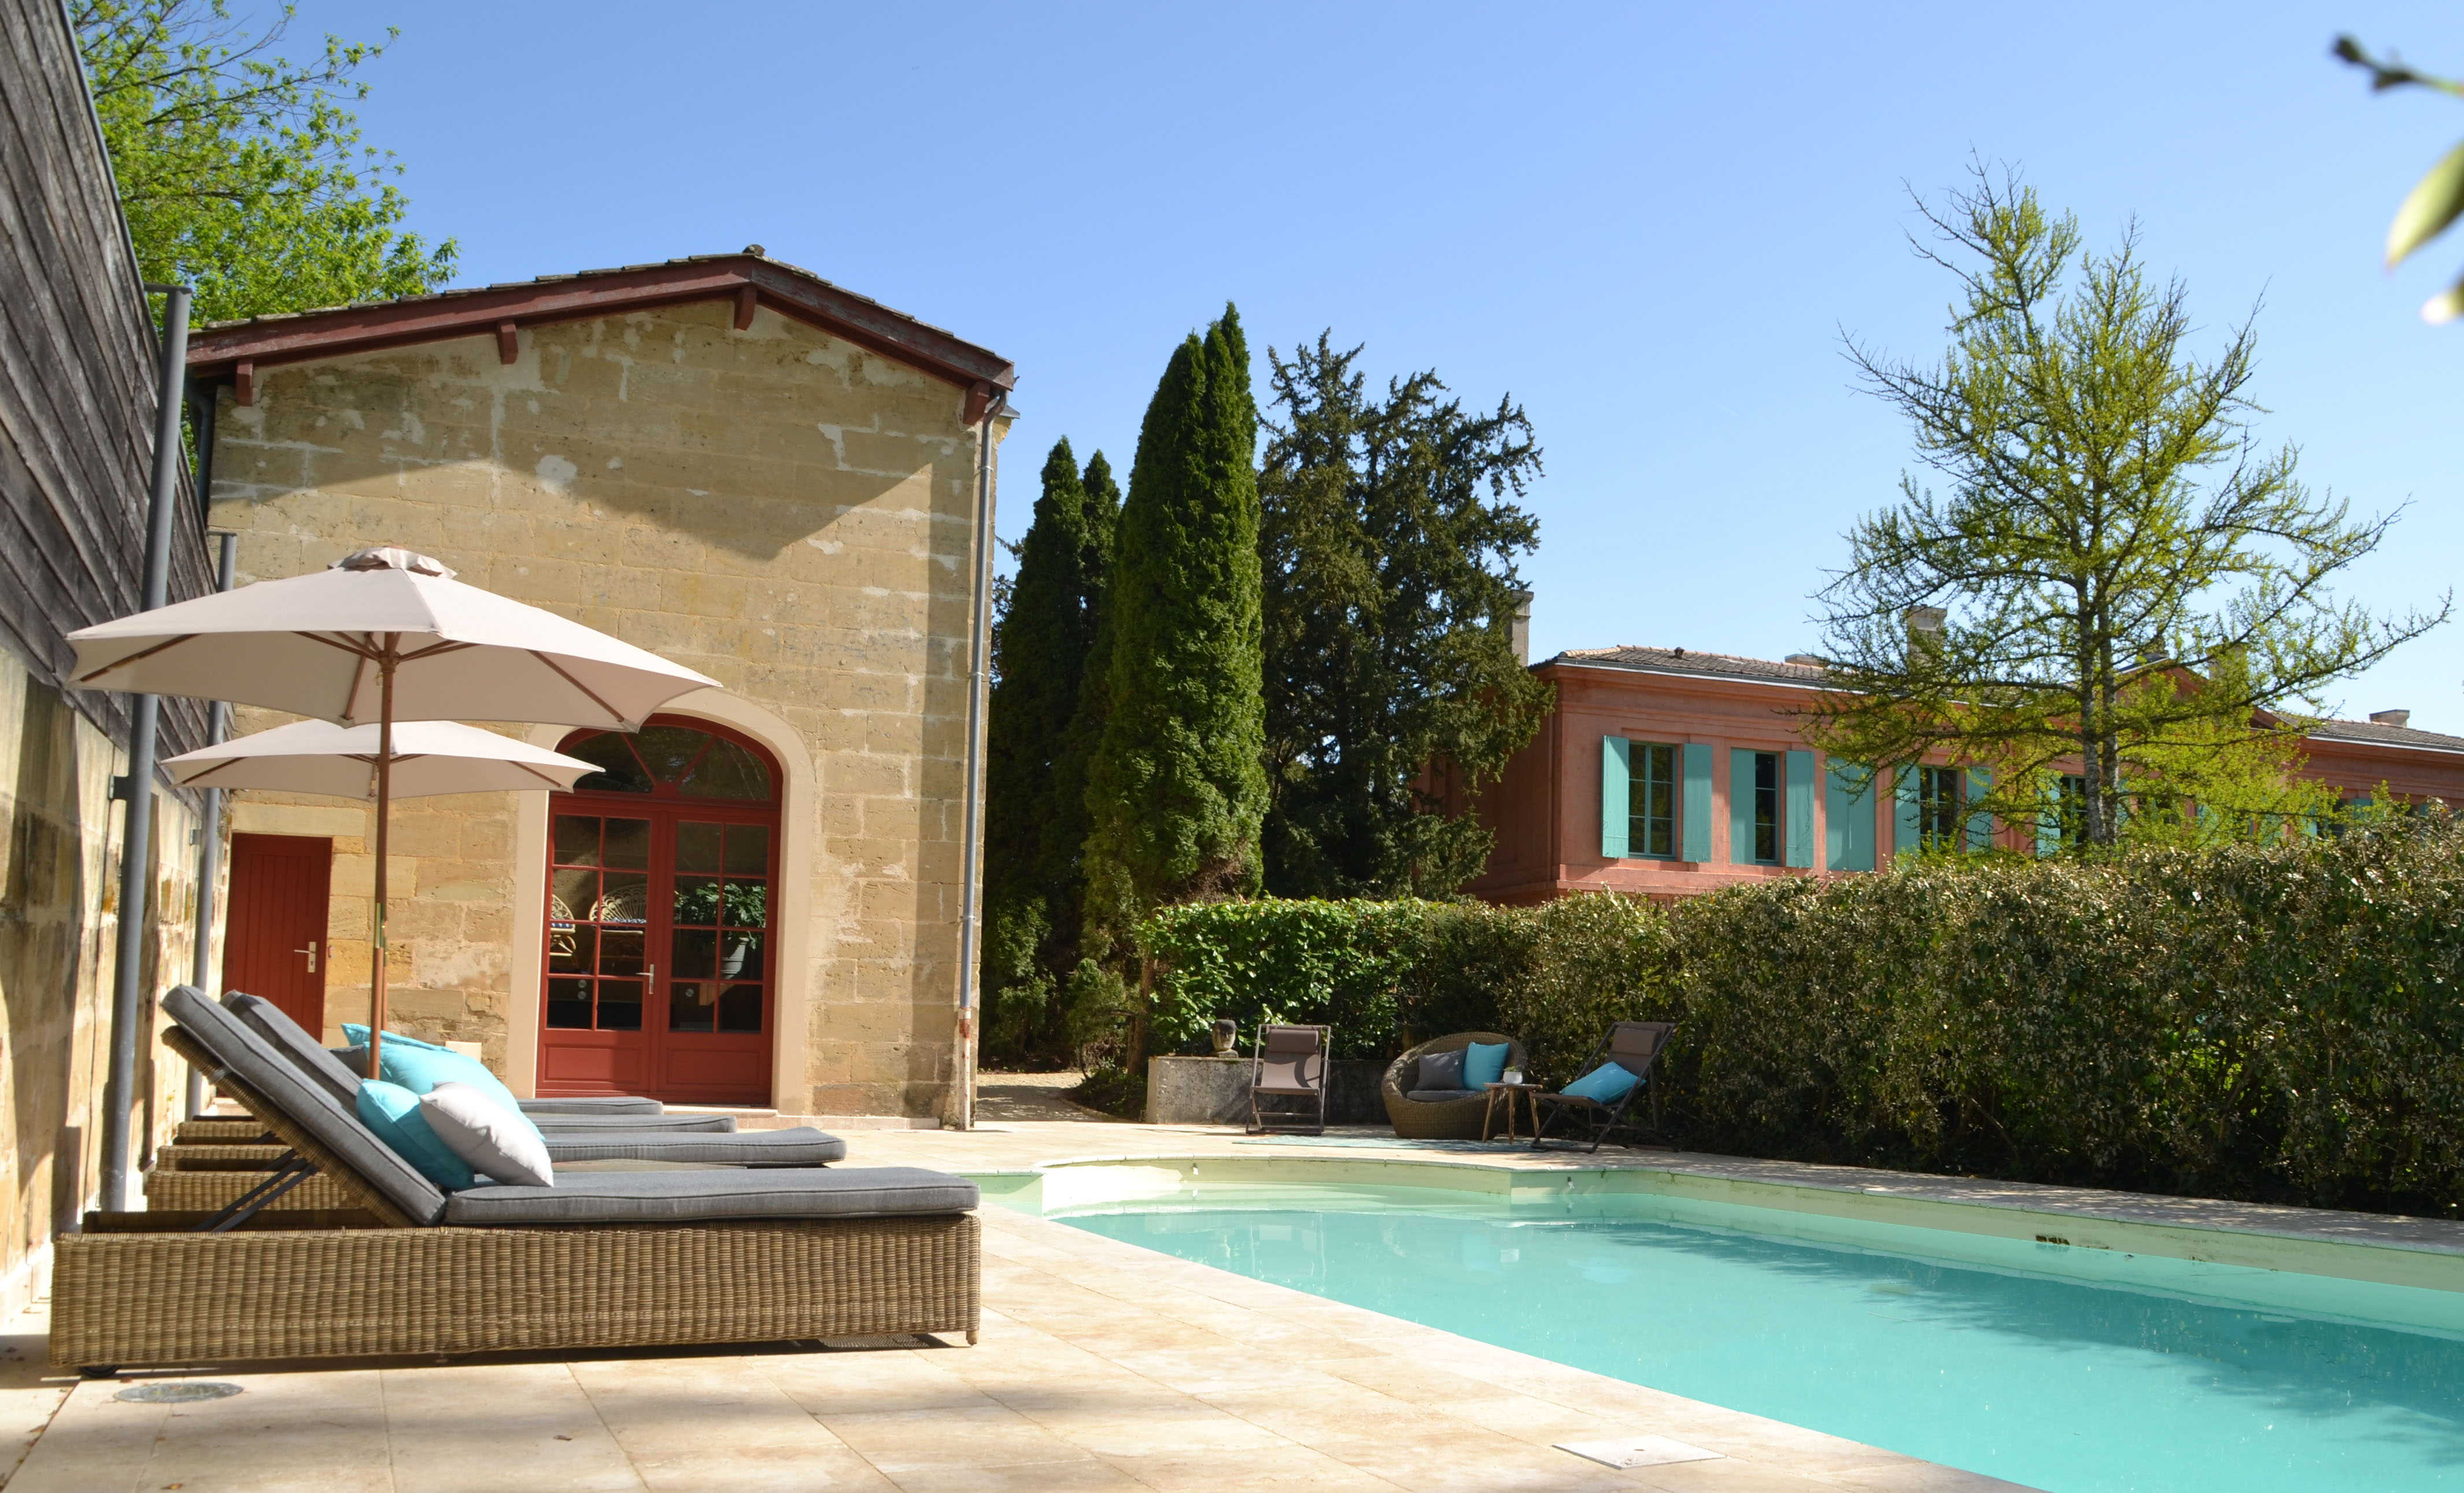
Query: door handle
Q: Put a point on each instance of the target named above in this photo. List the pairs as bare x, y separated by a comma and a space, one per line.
649, 976
311, 952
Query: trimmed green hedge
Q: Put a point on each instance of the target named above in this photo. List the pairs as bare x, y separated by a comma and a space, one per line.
2282, 1024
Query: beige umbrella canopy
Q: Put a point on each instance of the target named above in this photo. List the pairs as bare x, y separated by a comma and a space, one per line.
429, 757
382, 635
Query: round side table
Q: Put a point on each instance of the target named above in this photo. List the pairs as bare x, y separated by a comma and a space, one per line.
1528, 1093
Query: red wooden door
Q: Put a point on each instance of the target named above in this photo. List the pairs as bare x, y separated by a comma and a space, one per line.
658, 976
274, 943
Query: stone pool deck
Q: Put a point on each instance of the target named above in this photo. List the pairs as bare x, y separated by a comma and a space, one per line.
1102, 1366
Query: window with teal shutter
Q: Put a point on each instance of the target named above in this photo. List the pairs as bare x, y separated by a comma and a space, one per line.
1800, 809
1980, 824
1696, 821
1755, 817
1906, 837
1616, 754
1847, 819
1651, 809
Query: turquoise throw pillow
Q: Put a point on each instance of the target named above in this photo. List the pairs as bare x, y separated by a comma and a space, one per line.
1484, 1063
1604, 1084
420, 1067
392, 1112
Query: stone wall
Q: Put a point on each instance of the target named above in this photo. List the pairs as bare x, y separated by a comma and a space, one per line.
59, 915
780, 509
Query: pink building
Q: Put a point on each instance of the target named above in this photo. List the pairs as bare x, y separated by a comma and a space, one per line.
1666, 772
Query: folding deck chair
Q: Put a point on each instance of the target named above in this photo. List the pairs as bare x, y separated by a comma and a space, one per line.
1632, 1045
1289, 1064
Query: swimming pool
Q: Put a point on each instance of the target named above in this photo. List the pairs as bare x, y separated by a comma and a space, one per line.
2071, 1369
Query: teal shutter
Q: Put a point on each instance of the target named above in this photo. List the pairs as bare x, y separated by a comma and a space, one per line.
1741, 807
1617, 802
1799, 789
2048, 819
1695, 825
1904, 839
1847, 820
1980, 825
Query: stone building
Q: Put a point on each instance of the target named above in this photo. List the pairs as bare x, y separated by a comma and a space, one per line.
79, 375
736, 465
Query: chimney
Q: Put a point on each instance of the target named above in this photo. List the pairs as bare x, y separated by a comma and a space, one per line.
1925, 619
1522, 626
1810, 660
2390, 717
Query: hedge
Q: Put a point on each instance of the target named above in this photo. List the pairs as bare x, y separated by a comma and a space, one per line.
2277, 1024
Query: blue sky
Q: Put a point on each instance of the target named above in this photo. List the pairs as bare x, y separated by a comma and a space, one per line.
1649, 225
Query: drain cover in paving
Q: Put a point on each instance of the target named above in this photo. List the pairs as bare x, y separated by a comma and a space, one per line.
1639, 1450
177, 1391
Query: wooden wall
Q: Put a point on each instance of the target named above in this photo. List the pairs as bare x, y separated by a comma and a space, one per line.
77, 375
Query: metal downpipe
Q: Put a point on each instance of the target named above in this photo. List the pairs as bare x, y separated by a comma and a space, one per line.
210, 836
971, 853
136, 837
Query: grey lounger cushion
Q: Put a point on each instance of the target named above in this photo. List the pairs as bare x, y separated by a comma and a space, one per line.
1443, 1096
354, 1060
684, 1196
307, 1102
554, 1126
633, 1104
800, 1147
293, 1040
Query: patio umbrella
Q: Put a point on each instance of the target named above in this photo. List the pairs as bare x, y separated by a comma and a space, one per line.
429, 757
382, 635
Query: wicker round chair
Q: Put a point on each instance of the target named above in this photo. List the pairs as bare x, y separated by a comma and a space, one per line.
1452, 1119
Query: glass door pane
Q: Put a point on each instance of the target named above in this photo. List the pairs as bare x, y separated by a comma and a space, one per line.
598, 905
719, 915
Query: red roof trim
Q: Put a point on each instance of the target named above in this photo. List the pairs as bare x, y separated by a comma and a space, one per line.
264, 341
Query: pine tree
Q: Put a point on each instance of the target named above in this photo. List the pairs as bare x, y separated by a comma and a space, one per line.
1036, 771
1390, 533
1177, 790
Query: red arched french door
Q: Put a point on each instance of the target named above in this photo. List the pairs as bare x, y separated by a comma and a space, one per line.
660, 978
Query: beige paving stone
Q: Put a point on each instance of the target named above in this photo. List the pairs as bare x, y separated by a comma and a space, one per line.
29, 1394
760, 1469
665, 1408
93, 1441
904, 1442
1291, 1468
516, 1426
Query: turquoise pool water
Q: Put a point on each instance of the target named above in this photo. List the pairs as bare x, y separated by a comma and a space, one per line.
2018, 1369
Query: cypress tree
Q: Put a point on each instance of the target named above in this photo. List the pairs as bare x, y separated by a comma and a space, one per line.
1035, 787
1178, 789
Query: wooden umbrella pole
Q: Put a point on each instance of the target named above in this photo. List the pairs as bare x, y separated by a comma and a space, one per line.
385, 814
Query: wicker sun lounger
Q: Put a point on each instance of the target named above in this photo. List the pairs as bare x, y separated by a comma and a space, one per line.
710, 1138
600, 1261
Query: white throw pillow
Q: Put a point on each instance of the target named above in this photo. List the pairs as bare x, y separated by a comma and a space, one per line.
486, 1135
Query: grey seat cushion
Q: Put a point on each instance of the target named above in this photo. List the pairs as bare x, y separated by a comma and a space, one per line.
1443, 1096
1441, 1070
304, 1102
354, 1062
595, 1105
800, 1147
293, 1042
554, 1126
684, 1196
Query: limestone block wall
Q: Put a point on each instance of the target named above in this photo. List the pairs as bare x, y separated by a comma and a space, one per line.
782, 510
60, 919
